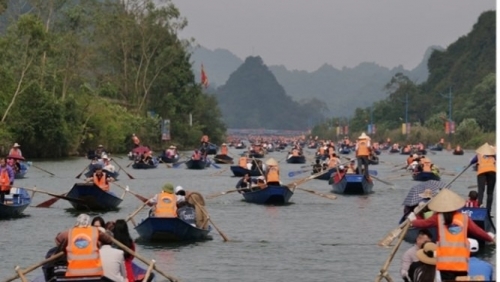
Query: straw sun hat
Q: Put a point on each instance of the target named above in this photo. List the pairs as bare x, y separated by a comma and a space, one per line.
486, 149
446, 201
271, 162
363, 136
426, 254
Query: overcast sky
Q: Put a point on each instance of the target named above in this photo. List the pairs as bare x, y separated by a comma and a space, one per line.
305, 34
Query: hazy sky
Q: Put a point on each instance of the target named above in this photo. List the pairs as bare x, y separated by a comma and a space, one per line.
305, 34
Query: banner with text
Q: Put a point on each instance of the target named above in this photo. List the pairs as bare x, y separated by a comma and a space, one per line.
449, 127
165, 130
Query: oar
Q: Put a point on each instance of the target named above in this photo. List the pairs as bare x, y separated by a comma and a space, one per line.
331, 197
214, 165
202, 208
131, 216
383, 271
49, 202
177, 164
141, 258
126, 189
54, 195
380, 180
42, 169
128, 174
221, 193
35, 266
471, 186
219, 172
129, 164
386, 241
297, 172
224, 161
84, 169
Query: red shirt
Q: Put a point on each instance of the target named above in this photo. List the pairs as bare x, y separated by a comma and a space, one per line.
472, 204
472, 228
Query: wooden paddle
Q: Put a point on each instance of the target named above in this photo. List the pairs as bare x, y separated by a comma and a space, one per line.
383, 271
131, 216
219, 172
141, 258
380, 180
297, 172
42, 169
35, 266
221, 193
49, 202
128, 174
177, 164
202, 208
386, 241
84, 169
126, 189
129, 164
224, 161
63, 196
331, 197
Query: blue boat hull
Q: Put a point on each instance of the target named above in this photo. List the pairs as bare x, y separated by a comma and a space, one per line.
424, 176
92, 197
171, 160
15, 203
296, 160
239, 171
198, 164
272, 195
478, 215
22, 172
141, 165
344, 151
170, 230
352, 184
91, 171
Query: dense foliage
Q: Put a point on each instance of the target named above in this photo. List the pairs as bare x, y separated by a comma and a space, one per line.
466, 69
253, 98
79, 73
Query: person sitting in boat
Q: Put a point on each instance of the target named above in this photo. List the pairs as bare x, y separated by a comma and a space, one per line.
352, 168
204, 140
453, 228
223, 149
245, 183
196, 155
113, 259
472, 201
333, 161
242, 161
100, 179
107, 164
425, 165
458, 150
180, 194
410, 256
99, 152
6, 179
294, 153
15, 164
165, 203
186, 212
15, 151
272, 173
411, 159
170, 152
81, 243
317, 167
135, 140
261, 183
477, 266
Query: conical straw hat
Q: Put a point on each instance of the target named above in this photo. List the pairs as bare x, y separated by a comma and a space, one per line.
446, 201
486, 150
363, 136
271, 161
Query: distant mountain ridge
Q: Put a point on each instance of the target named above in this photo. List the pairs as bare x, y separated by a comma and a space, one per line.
342, 90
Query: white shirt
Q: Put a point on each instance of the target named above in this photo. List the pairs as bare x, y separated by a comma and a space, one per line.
109, 167
113, 263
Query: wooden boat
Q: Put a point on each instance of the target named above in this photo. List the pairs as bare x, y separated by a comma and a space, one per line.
393, 150
422, 152
436, 148
170, 230
15, 203
168, 160
240, 171
296, 159
271, 195
143, 165
92, 167
458, 153
424, 176
344, 151
197, 164
402, 152
223, 159
478, 215
240, 146
92, 198
256, 155
211, 149
373, 161
313, 146
352, 184
139, 274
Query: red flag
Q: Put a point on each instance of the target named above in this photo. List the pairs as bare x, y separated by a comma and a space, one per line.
204, 78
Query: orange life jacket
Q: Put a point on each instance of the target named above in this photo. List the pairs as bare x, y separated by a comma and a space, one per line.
426, 166
101, 183
452, 253
4, 180
295, 152
223, 150
243, 162
363, 150
166, 205
486, 164
83, 252
136, 140
273, 175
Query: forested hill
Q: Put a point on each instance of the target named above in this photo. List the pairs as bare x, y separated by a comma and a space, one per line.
253, 98
466, 68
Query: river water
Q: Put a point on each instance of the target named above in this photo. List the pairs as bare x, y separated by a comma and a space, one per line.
312, 239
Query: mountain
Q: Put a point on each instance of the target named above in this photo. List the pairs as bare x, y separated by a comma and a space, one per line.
253, 98
336, 87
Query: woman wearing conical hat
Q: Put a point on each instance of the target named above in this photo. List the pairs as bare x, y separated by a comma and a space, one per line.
272, 172
363, 151
486, 173
453, 228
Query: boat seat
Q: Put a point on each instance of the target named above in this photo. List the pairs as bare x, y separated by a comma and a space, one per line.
86, 279
14, 197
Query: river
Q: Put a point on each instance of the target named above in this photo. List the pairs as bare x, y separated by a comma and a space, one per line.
312, 239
